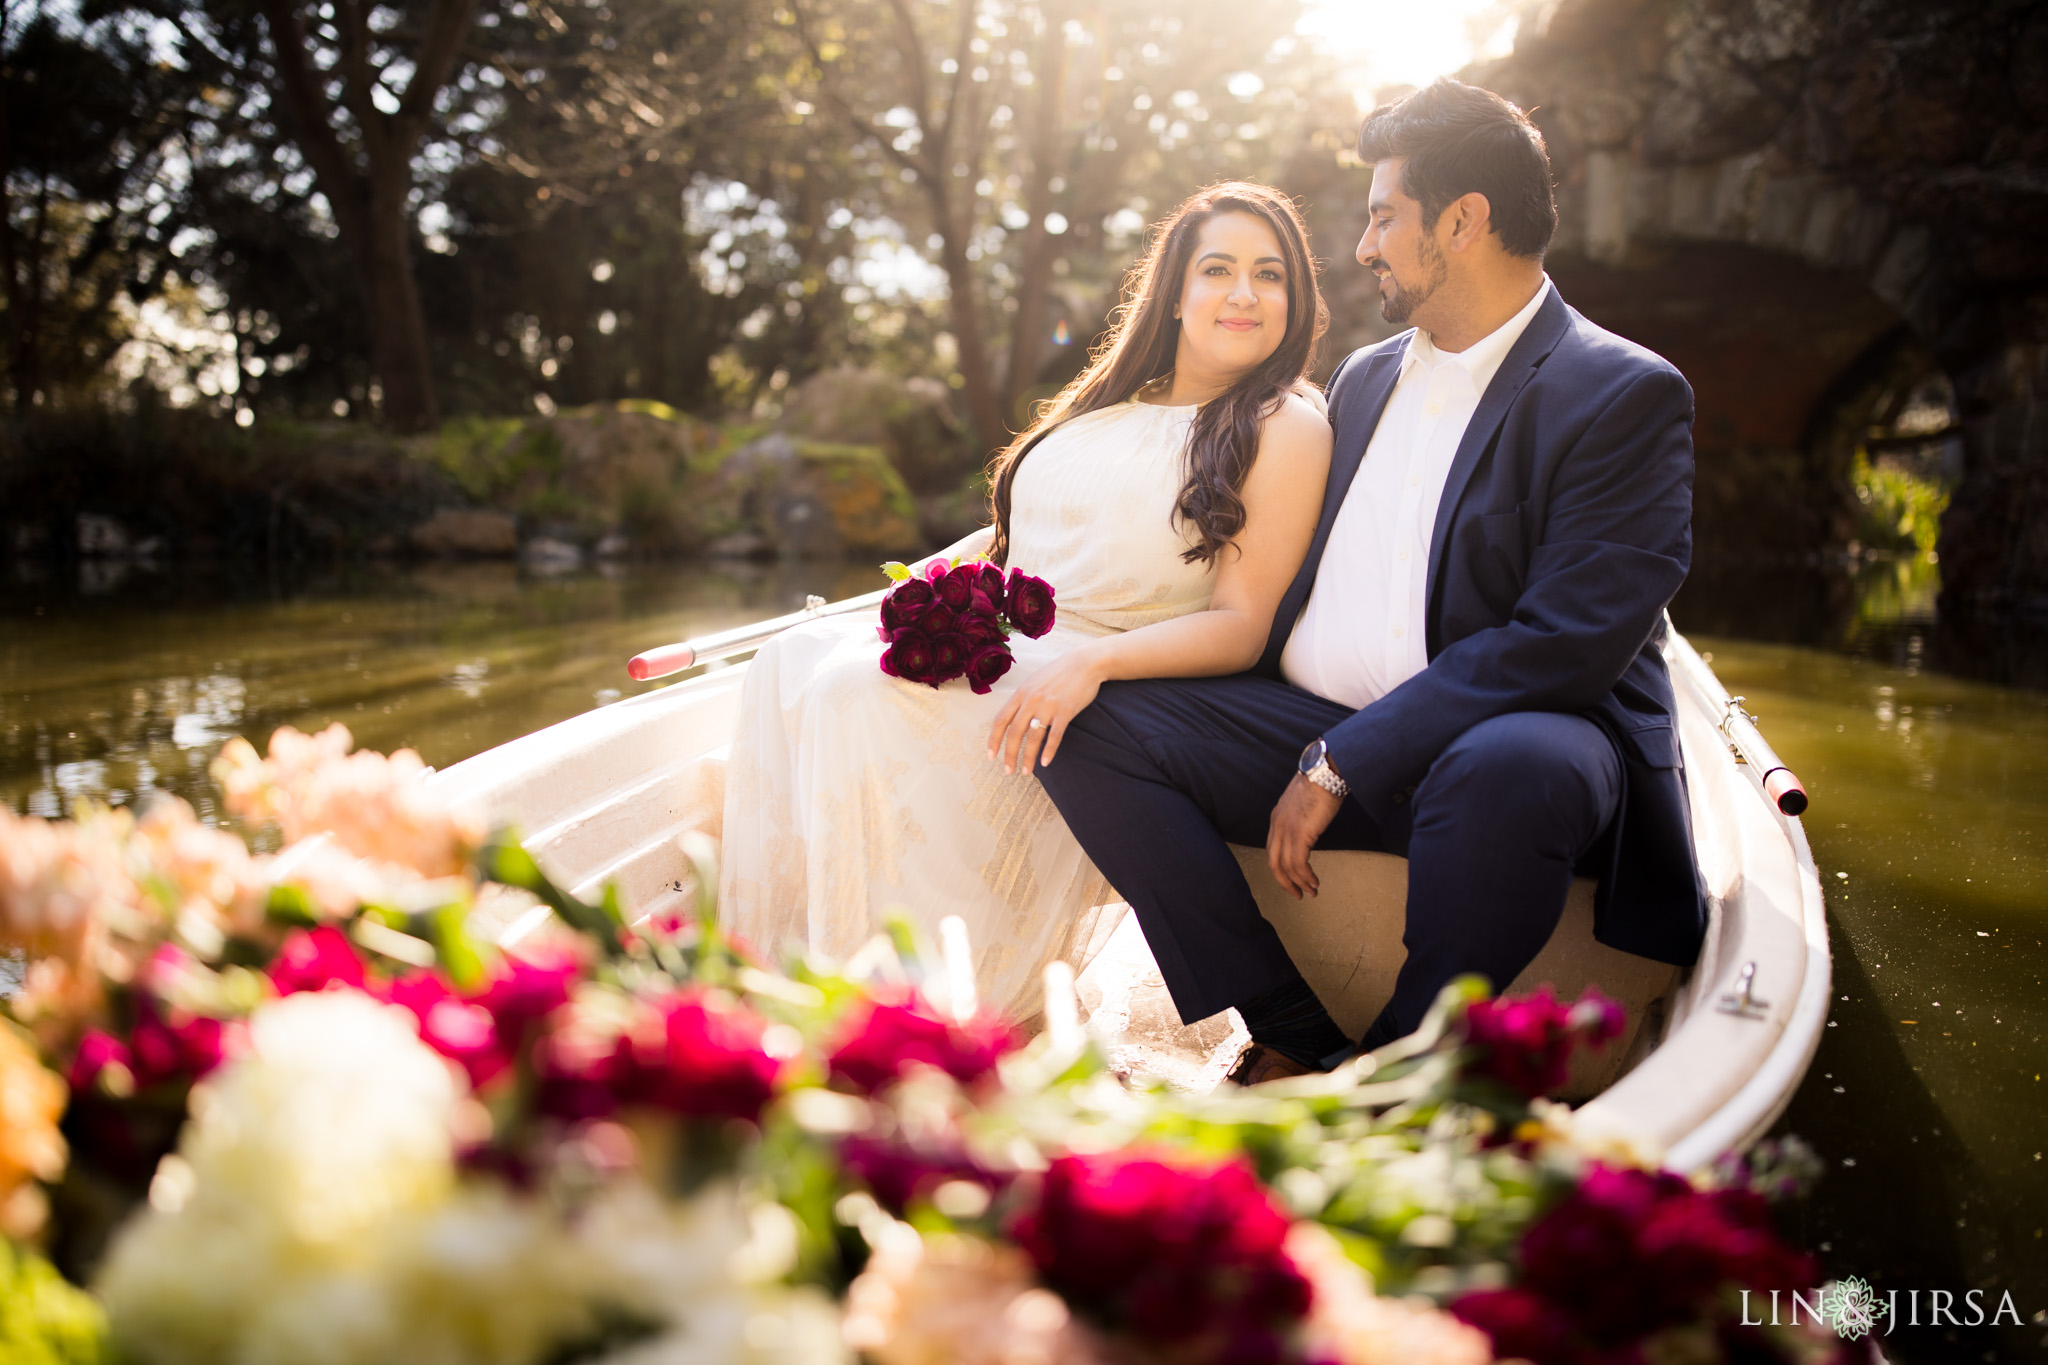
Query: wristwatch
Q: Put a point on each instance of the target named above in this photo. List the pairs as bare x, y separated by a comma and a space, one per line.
1315, 766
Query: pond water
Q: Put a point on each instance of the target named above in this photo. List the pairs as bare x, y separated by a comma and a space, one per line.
1925, 749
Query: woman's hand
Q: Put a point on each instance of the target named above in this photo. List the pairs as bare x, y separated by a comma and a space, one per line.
1055, 695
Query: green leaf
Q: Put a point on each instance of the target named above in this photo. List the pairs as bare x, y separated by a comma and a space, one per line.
504, 860
448, 932
898, 571
289, 904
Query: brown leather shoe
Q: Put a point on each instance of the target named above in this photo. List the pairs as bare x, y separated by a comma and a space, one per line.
1259, 1063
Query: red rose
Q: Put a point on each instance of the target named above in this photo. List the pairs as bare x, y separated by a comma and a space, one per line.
981, 629
909, 657
313, 960
880, 1042
906, 602
524, 993
954, 588
989, 579
1526, 1042
949, 656
701, 1058
938, 619
1168, 1250
460, 1030
1028, 603
987, 664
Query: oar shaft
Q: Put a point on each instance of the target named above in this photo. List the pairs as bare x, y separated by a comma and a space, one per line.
667, 659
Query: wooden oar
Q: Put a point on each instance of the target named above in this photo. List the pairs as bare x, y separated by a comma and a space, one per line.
1780, 784
667, 659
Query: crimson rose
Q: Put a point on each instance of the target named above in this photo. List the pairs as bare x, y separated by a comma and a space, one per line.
1029, 604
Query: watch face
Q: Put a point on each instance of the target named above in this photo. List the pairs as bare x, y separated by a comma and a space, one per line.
1312, 756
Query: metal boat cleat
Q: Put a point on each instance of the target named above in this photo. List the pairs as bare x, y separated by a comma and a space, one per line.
1742, 1001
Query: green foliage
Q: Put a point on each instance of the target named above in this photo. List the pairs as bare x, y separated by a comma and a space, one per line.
1896, 508
43, 1319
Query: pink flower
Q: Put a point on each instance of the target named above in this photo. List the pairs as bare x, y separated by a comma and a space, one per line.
1167, 1251
525, 991
101, 1053
314, 959
461, 1030
910, 657
898, 1172
699, 1055
1526, 1042
173, 1044
1028, 603
881, 1041
986, 664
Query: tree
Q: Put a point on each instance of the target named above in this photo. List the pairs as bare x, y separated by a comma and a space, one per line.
85, 123
1025, 126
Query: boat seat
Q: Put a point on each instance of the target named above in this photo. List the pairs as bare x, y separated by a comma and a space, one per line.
1347, 942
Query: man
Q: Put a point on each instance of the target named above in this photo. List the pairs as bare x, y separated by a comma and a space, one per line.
1466, 671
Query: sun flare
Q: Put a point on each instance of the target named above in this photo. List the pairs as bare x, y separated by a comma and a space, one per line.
1408, 42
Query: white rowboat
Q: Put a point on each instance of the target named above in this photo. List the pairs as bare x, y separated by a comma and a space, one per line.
1713, 1053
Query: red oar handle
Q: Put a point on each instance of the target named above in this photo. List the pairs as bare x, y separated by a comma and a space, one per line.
659, 663
1782, 785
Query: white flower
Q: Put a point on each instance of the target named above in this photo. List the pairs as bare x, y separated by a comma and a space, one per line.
313, 1217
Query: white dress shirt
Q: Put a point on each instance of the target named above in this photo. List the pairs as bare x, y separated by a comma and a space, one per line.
1363, 631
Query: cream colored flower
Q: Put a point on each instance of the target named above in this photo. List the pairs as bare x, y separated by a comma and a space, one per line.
313, 1217
1592, 1134
960, 1301
62, 882
31, 1148
375, 806
1349, 1324
203, 872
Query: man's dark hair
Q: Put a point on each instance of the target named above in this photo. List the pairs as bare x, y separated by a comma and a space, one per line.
1456, 139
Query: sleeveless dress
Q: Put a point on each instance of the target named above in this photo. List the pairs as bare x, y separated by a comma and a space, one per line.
851, 795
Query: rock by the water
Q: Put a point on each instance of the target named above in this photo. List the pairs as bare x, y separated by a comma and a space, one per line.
912, 420
818, 500
467, 533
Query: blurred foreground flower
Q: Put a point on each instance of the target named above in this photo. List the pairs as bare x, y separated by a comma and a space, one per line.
374, 806
953, 1300
31, 1148
1350, 1325
313, 1213
1170, 1251
1526, 1042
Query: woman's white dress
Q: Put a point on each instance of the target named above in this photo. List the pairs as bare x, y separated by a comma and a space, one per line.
851, 795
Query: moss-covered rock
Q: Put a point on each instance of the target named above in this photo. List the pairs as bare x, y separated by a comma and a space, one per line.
912, 420
814, 499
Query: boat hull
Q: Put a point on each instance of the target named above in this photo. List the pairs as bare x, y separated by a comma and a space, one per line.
609, 796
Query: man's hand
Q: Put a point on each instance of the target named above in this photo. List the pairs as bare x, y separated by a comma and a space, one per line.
1304, 812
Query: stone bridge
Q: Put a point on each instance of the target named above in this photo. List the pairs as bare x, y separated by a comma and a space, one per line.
1832, 215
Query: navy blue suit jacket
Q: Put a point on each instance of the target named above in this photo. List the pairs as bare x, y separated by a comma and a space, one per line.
1564, 529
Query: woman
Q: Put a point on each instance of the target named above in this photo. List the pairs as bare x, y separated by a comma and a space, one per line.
1168, 495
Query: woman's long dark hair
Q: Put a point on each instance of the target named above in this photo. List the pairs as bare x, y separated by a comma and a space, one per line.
1140, 345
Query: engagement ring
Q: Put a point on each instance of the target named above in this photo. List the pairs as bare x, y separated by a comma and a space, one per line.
1036, 724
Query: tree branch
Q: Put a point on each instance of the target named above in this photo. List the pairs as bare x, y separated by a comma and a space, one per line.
310, 110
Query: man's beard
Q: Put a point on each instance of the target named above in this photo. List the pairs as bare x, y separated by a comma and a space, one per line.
1401, 305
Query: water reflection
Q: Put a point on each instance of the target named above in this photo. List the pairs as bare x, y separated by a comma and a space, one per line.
117, 695
1922, 743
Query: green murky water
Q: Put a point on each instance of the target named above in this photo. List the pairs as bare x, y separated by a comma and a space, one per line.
1925, 749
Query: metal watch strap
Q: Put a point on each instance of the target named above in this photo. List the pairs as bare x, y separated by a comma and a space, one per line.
1322, 774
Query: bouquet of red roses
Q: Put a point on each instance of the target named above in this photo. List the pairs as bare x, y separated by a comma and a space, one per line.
955, 621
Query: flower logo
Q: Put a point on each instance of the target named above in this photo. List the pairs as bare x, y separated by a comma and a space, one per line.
1852, 1308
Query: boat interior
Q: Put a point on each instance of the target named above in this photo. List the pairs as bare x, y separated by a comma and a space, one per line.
1711, 1055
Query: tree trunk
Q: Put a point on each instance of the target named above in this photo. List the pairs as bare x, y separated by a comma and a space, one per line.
1034, 282
391, 299
984, 403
